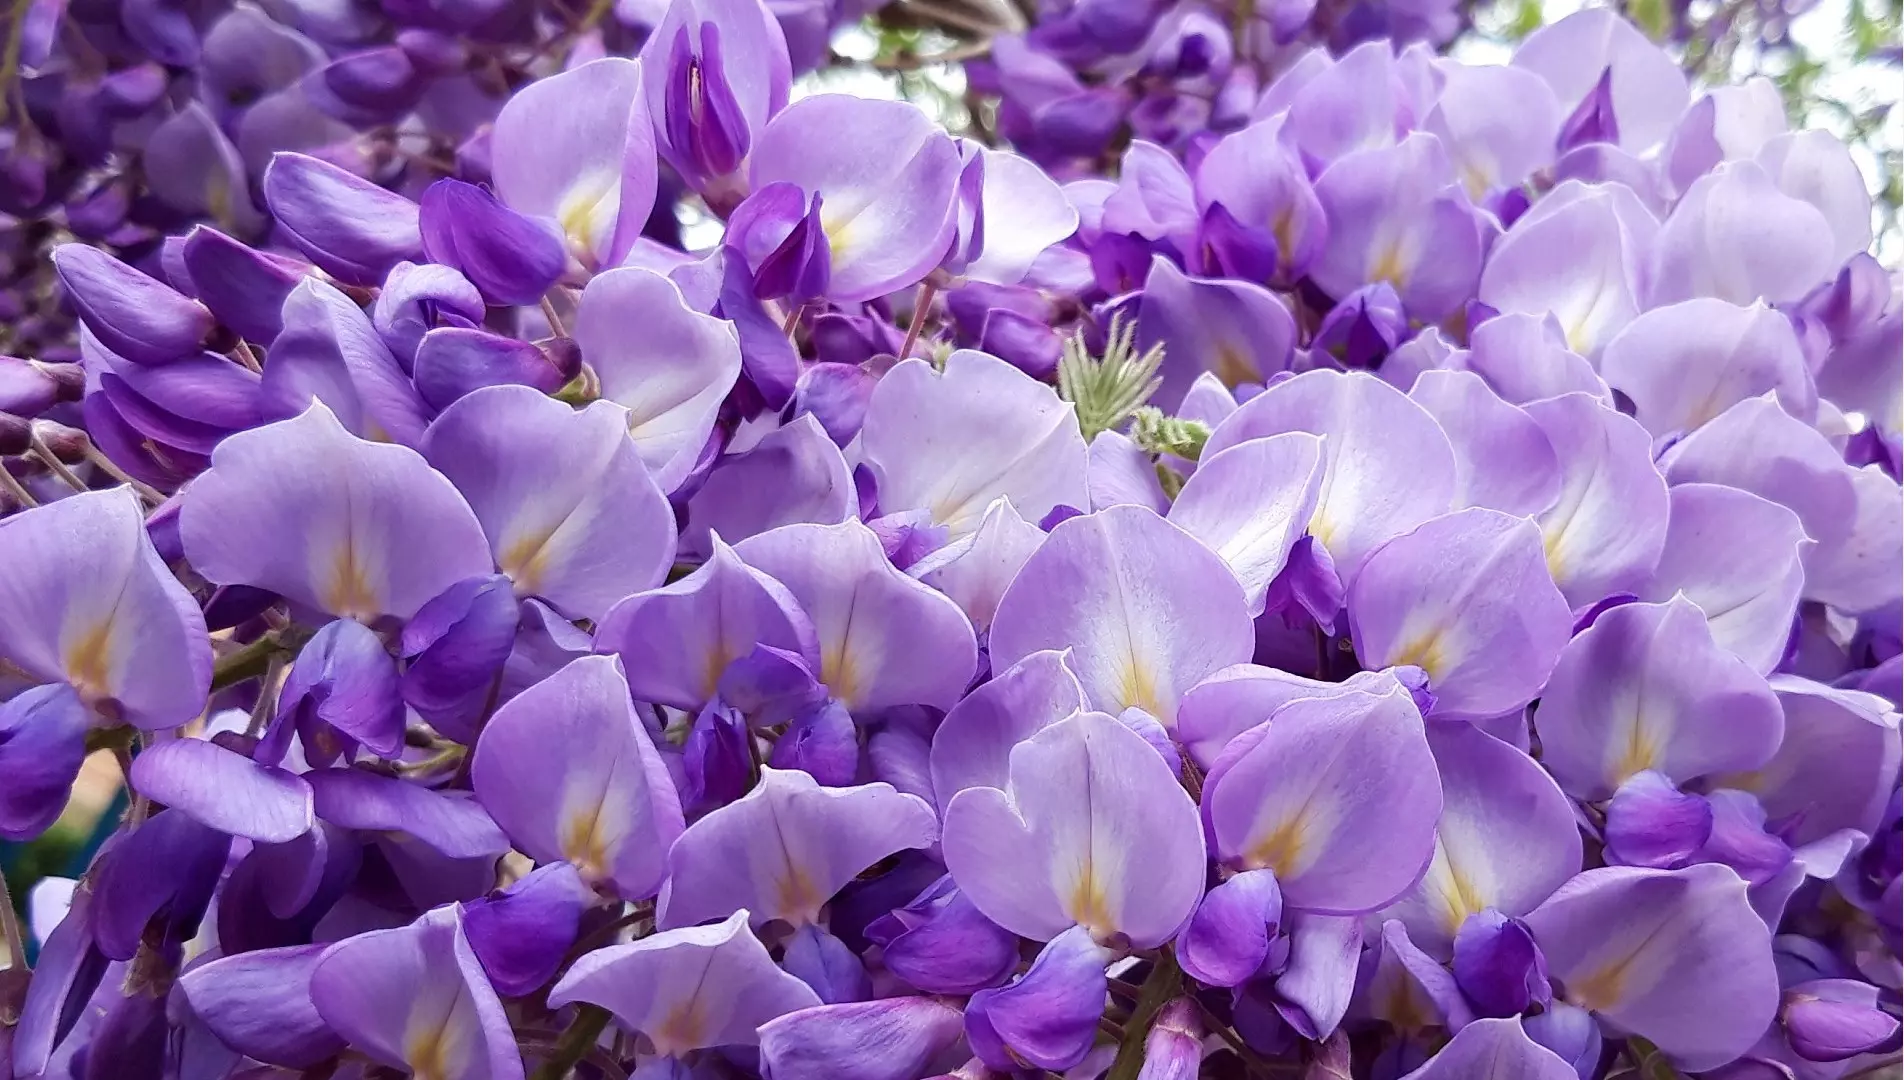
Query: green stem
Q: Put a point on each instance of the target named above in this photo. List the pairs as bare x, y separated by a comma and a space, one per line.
576, 1040
249, 662
1165, 982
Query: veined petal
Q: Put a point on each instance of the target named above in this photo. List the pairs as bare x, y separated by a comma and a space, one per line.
86, 600
1337, 795
973, 744
1146, 609
884, 639
1646, 687
569, 772
921, 418
1251, 503
782, 850
688, 988
1676, 956
306, 510
1738, 557
415, 998
579, 521
1091, 830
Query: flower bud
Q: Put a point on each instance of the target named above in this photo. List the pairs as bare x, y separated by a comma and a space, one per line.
353, 229
941, 944
824, 963
137, 317
452, 361
521, 933
1499, 966
1048, 1018
1834, 1019
1174, 1048
243, 287
1649, 822
823, 742
510, 258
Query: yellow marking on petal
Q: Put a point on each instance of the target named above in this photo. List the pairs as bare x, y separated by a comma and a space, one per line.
1283, 227
683, 1029
1235, 367
526, 560
1280, 851
583, 843
1424, 652
1390, 266
1550, 544
348, 592
1460, 898
713, 666
1640, 752
839, 672
1088, 906
576, 213
1137, 688
1602, 989
839, 234
89, 661
799, 899
1404, 1010
427, 1054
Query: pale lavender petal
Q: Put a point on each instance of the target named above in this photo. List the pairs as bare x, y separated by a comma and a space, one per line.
1503, 460
1605, 531
920, 418
87, 601
1683, 364
1388, 466
1676, 956
678, 640
973, 744
1250, 502
688, 989
306, 510
1337, 795
1735, 236
1147, 610
224, 790
782, 850
1836, 765
666, 363
974, 570
1737, 556
884, 639
1646, 687
568, 771
580, 522
1648, 89
1487, 1049
794, 474
1092, 830
259, 1004
1506, 839
1466, 598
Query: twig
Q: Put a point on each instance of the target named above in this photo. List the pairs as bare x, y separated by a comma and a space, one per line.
51, 460
16, 490
923, 303
1164, 982
10, 925
576, 1041
248, 662
555, 321
105, 464
267, 696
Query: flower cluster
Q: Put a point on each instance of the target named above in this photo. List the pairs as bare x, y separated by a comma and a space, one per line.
1391, 569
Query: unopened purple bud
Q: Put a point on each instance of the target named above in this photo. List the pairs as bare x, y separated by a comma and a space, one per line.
135, 316
824, 963
511, 258
30, 387
836, 396
456, 645
1649, 822
888, 1039
1153, 733
520, 934
132, 90
769, 686
42, 744
1081, 124
370, 86
1834, 1019
800, 267
97, 214
1570, 1032
419, 297
1364, 327
343, 689
908, 536
1308, 583
1120, 262
1499, 966
352, 228
705, 127
16, 435
1026, 343
716, 759
1228, 937
1593, 120
452, 361
823, 742
1174, 1048
1230, 248
243, 287
941, 944
433, 52
1048, 1018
